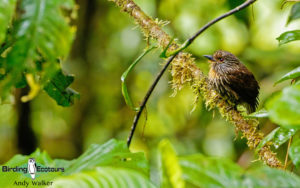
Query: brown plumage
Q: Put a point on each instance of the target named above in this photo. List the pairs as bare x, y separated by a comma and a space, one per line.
229, 77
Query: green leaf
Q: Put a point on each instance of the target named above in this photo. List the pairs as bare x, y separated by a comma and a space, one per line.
209, 172
269, 177
57, 88
288, 36
42, 30
283, 135
278, 136
105, 177
164, 52
295, 12
7, 8
122, 167
259, 114
284, 107
100, 166
291, 75
172, 173
266, 139
202, 171
124, 76
294, 152
112, 153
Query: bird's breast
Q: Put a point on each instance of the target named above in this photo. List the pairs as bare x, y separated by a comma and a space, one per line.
215, 80
220, 82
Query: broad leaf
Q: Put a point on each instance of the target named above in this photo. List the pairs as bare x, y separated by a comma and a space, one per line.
288, 36
269, 177
283, 135
266, 139
41, 32
278, 136
114, 156
291, 75
172, 173
295, 12
284, 107
112, 153
42, 28
57, 88
294, 152
105, 177
202, 171
7, 8
208, 172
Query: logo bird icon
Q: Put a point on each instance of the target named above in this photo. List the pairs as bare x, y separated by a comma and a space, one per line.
32, 167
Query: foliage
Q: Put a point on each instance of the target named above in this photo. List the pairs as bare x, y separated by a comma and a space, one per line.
6, 13
294, 153
202, 171
278, 136
290, 36
40, 35
108, 164
294, 74
112, 153
124, 76
112, 165
57, 88
258, 114
105, 177
295, 12
284, 108
170, 167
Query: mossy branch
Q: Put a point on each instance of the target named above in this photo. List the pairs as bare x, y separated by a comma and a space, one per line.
184, 71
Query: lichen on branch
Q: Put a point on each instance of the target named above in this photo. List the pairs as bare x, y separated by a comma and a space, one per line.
185, 72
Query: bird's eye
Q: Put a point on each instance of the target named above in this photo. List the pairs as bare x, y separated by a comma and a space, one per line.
221, 59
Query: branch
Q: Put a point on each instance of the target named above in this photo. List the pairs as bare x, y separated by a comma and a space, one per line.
184, 71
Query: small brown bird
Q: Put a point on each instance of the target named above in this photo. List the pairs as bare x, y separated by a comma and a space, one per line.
228, 76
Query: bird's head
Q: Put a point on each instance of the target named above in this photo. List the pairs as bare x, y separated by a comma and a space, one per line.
222, 57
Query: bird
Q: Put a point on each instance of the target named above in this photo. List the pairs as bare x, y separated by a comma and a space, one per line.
229, 77
32, 167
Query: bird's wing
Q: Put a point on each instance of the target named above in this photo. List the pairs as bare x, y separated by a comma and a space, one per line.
244, 84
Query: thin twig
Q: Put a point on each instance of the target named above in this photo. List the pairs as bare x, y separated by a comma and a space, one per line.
185, 45
145, 123
287, 153
145, 100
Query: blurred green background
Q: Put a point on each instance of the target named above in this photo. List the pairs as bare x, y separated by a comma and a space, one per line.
108, 41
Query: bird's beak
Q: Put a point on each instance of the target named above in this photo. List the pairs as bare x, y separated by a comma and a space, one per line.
209, 57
